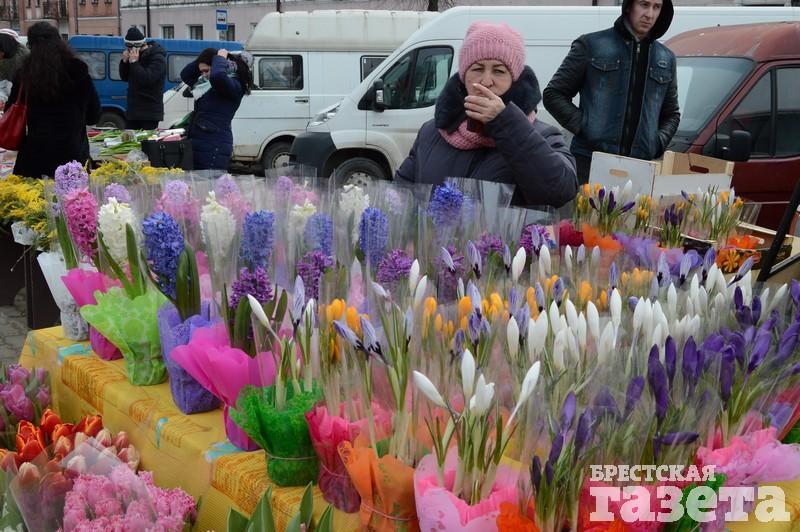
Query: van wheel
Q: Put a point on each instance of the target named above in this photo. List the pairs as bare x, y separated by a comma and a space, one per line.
276, 155
111, 119
358, 171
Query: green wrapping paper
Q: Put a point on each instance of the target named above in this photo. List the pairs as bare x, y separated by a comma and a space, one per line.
291, 459
132, 326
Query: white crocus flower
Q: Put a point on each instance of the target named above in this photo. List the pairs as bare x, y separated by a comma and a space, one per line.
572, 314
615, 304
512, 336
593, 319
606, 344
582, 326
544, 262
537, 336
528, 385
413, 276
555, 321
777, 299
568, 259
419, 293
559, 345
518, 264
258, 310
482, 400
425, 385
672, 301
467, 374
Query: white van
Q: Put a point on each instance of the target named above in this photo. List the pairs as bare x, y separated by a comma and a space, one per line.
363, 139
303, 62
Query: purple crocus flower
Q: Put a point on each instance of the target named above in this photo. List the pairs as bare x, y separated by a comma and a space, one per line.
689, 365
761, 346
583, 433
628, 206
555, 448
371, 343
633, 394
727, 369
679, 438
612, 202
457, 345
755, 308
447, 260
536, 473
709, 259
507, 258
474, 328
474, 259
605, 405
347, 334
743, 269
539, 293
558, 291
601, 194
794, 290
523, 316
659, 385
670, 358
787, 344
632, 301
567, 412
513, 300
548, 472
663, 274
613, 275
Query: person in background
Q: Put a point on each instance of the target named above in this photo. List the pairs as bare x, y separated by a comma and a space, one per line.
61, 102
485, 125
218, 81
144, 67
12, 54
627, 84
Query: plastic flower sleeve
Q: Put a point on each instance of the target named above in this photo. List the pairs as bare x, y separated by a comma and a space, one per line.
83, 284
189, 395
132, 325
283, 434
53, 268
24, 395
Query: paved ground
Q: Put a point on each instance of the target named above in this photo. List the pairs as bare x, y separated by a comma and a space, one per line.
13, 329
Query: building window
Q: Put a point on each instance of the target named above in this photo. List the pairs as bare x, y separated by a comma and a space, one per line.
168, 32
230, 33
94, 2
83, 2
109, 2
196, 32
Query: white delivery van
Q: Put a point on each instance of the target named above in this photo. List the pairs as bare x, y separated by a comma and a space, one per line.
362, 138
303, 62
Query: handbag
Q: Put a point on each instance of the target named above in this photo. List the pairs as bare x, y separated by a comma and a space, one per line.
13, 123
169, 154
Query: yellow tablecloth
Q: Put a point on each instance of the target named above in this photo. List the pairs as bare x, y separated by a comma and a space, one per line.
186, 451
191, 451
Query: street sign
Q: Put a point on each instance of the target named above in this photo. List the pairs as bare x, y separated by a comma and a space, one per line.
222, 19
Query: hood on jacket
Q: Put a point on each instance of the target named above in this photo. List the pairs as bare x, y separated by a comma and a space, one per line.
524, 93
154, 48
660, 26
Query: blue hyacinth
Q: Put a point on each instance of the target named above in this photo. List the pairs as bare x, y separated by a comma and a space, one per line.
445, 205
373, 231
257, 239
319, 233
164, 244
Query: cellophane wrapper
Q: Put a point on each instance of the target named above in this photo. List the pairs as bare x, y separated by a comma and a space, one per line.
83, 284
53, 269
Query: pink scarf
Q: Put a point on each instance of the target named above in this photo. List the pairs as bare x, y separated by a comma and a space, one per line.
464, 139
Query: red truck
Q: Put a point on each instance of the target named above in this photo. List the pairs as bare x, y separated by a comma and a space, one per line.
739, 92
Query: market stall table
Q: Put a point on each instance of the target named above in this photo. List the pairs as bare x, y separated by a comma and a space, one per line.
187, 451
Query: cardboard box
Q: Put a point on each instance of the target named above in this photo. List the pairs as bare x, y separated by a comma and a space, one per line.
675, 173
730, 258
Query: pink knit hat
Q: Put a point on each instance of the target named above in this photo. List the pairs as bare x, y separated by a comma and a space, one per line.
501, 42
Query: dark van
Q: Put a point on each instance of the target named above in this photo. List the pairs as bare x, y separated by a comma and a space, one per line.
103, 54
739, 91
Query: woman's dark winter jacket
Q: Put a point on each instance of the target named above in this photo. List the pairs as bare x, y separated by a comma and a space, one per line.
10, 65
628, 90
57, 129
534, 157
210, 129
146, 79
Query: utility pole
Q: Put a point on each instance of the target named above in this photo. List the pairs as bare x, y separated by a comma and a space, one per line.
77, 18
147, 6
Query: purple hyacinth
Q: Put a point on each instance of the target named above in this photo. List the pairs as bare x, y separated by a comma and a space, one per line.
311, 269
118, 192
69, 177
283, 188
164, 244
448, 281
226, 186
373, 231
257, 239
256, 283
489, 243
394, 267
445, 206
318, 233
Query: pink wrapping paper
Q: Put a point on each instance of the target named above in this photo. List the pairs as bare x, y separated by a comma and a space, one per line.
439, 509
224, 371
82, 284
327, 432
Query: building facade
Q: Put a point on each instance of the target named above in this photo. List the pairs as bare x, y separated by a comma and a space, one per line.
71, 17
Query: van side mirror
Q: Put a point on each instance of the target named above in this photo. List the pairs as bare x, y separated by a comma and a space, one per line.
739, 147
378, 103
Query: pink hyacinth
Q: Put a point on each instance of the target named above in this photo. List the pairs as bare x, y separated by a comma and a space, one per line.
80, 211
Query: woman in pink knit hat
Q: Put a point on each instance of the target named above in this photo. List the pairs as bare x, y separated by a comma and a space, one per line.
485, 125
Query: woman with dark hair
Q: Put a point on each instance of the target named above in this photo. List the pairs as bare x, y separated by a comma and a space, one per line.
218, 81
61, 102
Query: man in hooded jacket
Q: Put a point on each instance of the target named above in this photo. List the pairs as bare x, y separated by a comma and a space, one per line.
627, 85
144, 67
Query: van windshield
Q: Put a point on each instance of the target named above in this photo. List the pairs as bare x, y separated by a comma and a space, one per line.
704, 85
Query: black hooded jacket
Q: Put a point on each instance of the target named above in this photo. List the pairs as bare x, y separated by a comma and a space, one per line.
628, 88
146, 79
533, 157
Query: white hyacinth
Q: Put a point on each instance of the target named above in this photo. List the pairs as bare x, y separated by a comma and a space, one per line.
111, 222
353, 201
219, 229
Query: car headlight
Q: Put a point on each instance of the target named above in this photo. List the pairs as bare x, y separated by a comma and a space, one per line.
324, 116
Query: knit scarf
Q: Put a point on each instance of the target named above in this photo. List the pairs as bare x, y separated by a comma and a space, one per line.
464, 139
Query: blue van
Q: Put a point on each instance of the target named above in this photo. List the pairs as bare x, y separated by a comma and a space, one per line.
103, 54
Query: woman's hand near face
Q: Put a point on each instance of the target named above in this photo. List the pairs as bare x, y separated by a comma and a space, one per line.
223, 53
485, 107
